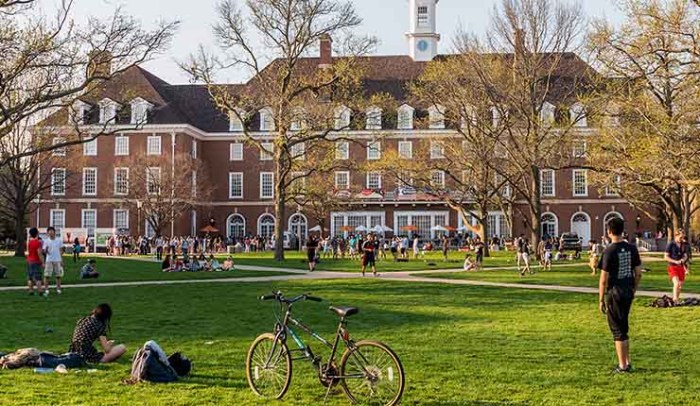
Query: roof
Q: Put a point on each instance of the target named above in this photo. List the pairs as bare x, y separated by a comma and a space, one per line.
192, 104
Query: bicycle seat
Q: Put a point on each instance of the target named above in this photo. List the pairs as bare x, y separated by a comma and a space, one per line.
344, 311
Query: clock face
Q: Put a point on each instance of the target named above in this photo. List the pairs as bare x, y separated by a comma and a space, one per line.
422, 45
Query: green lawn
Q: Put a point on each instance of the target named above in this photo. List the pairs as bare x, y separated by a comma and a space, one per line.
655, 279
117, 270
460, 345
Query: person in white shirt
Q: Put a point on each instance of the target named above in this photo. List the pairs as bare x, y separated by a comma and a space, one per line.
53, 252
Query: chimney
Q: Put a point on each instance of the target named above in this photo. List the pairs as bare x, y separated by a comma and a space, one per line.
99, 64
326, 51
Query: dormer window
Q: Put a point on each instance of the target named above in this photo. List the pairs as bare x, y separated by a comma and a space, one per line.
267, 120
436, 116
342, 116
577, 114
139, 111
374, 118
77, 113
235, 122
405, 117
547, 113
108, 111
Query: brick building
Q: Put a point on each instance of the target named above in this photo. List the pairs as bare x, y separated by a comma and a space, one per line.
183, 119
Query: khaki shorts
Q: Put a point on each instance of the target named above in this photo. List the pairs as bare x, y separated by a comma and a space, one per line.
53, 269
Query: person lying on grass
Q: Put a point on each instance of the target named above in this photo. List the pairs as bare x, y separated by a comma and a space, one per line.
93, 328
228, 264
88, 270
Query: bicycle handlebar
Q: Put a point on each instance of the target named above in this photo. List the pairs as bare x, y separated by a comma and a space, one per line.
280, 297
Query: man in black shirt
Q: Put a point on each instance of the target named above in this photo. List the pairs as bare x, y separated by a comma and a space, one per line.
621, 271
369, 248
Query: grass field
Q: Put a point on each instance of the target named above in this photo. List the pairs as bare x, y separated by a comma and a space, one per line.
117, 270
459, 345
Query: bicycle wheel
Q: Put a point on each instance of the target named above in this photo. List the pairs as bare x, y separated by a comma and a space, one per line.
374, 374
268, 379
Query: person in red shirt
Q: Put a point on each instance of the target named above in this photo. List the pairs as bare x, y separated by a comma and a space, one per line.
35, 260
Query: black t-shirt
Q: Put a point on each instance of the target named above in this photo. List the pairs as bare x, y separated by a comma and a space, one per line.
368, 247
479, 249
619, 260
674, 251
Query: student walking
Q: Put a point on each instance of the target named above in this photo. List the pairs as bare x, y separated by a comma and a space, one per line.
76, 250
445, 246
35, 260
369, 248
525, 255
311, 246
621, 271
53, 249
676, 259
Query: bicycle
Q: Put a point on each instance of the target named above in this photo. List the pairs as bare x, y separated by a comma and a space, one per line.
368, 371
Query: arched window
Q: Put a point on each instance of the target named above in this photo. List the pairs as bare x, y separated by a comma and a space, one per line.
235, 226
607, 217
298, 225
581, 225
266, 225
549, 225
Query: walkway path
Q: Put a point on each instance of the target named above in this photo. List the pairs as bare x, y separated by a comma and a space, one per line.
407, 276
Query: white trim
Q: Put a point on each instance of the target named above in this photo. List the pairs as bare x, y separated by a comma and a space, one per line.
404, 108
84, 172
259, 224
114, 218
346, 214
412, 214
116, 169
51, 222
573, 182
554, 182
87, 144
335, 179
231, 156
374, 145
272, 174
54, 183
590, 224
230, 176
556, 223
82, 217
410, 149
116, 145
306, 222
367, 180
157, 147
228, 223
344, 156
436, 117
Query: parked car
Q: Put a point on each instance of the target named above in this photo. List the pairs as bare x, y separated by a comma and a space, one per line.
571, 242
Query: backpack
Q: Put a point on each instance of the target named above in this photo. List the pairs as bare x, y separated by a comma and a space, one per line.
149, 364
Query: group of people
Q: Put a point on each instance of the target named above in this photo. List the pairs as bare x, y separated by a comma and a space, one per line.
124, 245
196, 263
44, 261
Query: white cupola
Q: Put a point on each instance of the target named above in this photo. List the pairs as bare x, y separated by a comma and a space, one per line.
422, 36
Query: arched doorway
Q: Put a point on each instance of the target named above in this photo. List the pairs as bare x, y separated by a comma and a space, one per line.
581, 225
550, 225
235, 226
266, 225
608, 216
298, 226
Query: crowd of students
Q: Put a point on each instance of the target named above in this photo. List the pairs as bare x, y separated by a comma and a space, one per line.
196, 263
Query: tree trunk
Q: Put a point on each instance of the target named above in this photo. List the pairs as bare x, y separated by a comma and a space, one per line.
279, 214
20, 233
484, 232
535, 208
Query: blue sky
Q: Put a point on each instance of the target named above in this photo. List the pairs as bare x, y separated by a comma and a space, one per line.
385, 19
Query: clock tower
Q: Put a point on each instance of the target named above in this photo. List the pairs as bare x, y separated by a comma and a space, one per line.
422, 36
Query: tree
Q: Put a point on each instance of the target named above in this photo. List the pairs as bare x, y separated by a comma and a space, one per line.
508, 95
650, 142
299, 97
163, 188
44, 61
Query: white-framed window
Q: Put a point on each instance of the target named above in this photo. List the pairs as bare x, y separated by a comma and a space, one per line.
298, 151
423, 20
406, 149
267, 150
405, 117
267, 185
57, 218
89, 181
121, 145
120, 218
153, 145
108, 111
342, 180
374, 150
614, 190
236, 152
436, 117
374, 119
235, 124
579, 149
58, 182
266, 225
139, 111
550, 225
437, 150
342, 117
121, 181
404, 179
195, 148
577, 114
60, 151
153, 180
374, 180
342, 150
235, 185
267, 120
90, 148
297, 182
580, 181
437, 179
354, 219
547, 113
547, 182
88, 219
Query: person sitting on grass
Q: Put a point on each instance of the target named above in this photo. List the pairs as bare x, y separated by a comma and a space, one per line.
214, 264
469, 264
92, 328
228, 264
195, 266
176, 265
165, 265
88, 270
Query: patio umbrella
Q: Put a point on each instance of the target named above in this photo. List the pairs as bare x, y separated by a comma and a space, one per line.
317, 228
438, 228
347, 228
209, 229
409, 227
378, 229
361, 228
385, 228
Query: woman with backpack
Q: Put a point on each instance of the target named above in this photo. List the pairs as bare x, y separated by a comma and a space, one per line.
94, 328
